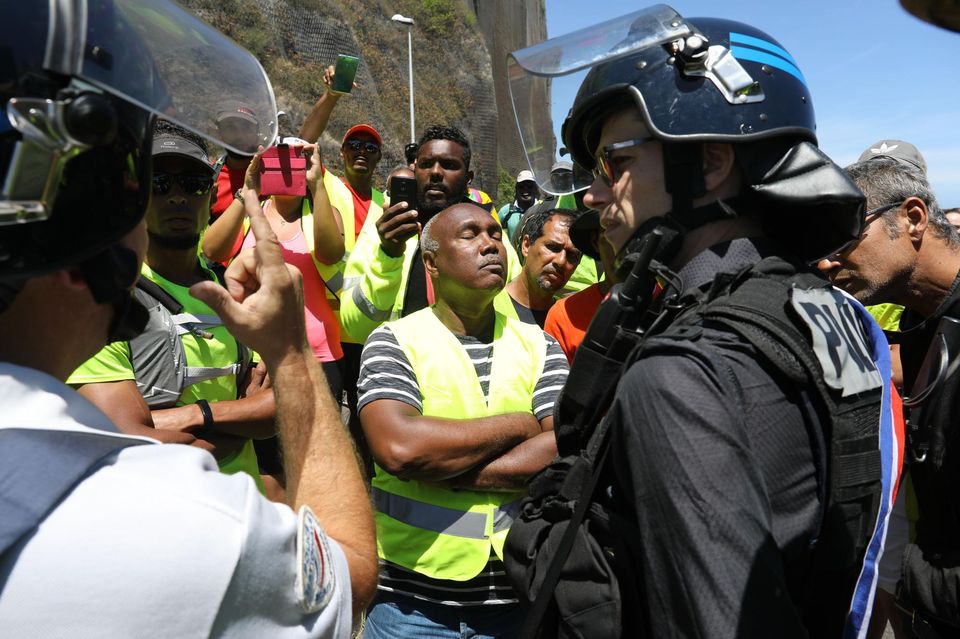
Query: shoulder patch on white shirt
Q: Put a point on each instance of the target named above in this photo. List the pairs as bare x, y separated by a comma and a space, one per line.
315, 572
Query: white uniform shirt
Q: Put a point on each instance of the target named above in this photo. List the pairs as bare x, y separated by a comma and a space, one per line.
156, 543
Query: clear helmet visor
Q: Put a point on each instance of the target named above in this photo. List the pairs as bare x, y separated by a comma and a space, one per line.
162, 58
550, 73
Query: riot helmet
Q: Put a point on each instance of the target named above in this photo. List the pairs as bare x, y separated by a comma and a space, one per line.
693, 81
81, 85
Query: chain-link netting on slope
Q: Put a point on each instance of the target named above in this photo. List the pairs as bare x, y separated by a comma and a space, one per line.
316, 34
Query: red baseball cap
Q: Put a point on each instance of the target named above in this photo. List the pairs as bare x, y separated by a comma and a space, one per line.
362, 128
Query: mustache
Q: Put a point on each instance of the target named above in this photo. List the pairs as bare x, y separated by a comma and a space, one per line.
496, 259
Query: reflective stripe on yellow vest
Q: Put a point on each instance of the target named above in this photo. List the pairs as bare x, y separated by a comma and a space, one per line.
342, 199
436, 531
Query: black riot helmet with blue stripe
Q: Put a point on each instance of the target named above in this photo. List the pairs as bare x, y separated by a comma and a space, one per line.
693, 81
721, 82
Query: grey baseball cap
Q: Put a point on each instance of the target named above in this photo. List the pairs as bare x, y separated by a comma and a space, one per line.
175, 145
897, 150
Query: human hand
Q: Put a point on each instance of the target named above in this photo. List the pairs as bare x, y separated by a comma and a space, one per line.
328, 75
314, 166
261, 302
219, 445
180, 422
397, 224
251, 180
257, 380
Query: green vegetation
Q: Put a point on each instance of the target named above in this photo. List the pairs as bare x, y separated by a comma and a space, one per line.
506, 186
447, 51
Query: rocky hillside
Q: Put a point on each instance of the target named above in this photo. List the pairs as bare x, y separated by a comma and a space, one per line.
458, 59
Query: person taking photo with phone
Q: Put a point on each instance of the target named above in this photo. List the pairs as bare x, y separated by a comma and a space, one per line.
310, 232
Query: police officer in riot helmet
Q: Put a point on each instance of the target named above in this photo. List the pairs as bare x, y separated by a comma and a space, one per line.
123, 536
721, 477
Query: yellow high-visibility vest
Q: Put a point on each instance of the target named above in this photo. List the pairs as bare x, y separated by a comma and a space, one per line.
425, 527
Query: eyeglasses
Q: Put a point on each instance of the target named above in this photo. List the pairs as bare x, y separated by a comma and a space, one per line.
356, 145
191, 183
603, 168
880, 210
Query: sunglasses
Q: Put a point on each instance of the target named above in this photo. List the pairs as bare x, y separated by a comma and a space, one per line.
356, 145
190, 183
880, 210
603, 167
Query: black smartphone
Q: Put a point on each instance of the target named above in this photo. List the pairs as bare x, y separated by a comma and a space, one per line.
403, 189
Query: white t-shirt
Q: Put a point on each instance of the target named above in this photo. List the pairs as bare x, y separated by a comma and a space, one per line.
156, 542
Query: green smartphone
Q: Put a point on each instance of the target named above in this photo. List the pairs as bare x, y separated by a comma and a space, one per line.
344, 74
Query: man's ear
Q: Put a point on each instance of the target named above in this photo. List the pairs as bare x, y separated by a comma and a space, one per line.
430, 263
915, 211
719, 162
525, 246
469, 177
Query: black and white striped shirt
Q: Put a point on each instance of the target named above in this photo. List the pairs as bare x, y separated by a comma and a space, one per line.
385, 373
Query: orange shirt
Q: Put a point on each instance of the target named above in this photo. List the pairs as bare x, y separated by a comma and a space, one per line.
569, 318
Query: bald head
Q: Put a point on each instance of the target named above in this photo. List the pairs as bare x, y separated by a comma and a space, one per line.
463, 249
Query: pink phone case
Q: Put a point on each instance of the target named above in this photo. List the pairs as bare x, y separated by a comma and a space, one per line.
283, 171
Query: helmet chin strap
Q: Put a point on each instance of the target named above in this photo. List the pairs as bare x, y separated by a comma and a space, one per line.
111, 275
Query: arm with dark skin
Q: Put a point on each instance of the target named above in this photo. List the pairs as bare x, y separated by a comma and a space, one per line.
316, 121
411, 446
510, 471
327, 223
124, 405
221, 236
397, 224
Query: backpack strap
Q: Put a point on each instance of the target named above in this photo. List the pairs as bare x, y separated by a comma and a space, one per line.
38, 468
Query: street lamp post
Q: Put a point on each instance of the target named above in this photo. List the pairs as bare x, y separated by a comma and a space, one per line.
409, 22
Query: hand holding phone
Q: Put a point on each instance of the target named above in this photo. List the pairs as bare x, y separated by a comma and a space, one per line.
344, 74
398, 223
403, 189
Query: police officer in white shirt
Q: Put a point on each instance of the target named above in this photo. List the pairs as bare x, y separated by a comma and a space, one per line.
102, 534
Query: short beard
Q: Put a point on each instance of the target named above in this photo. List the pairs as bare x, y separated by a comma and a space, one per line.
175, 243
544, 284
426, 211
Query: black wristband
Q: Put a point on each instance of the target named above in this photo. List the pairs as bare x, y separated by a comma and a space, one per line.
207, 413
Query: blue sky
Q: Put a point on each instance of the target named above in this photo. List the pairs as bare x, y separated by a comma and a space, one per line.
874, 71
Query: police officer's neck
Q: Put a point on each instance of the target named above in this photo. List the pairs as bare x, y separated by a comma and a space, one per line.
53, 325
700, 239
473, 315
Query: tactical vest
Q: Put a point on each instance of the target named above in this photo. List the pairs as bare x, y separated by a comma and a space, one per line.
157, 355
572, 553
440, 532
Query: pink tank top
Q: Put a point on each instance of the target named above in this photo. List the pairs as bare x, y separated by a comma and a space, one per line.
323, 330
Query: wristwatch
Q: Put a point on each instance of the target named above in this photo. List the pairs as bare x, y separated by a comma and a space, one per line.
238, 195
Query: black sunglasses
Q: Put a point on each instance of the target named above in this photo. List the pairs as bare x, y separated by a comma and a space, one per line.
603, 168
356, 145
191, 183
880, 210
